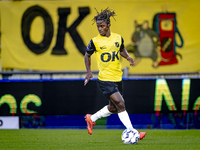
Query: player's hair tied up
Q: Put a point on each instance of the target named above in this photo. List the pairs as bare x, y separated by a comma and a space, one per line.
104, 15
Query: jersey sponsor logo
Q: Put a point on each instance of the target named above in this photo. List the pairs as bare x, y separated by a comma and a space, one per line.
106, 57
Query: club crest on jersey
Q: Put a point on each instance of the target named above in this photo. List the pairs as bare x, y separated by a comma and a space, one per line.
117, 44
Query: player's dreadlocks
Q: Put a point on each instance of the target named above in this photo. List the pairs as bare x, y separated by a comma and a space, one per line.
104, 15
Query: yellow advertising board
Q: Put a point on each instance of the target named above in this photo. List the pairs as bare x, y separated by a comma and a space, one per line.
162, 36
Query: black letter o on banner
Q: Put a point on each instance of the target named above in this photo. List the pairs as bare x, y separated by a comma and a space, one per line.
27, 20
1, 123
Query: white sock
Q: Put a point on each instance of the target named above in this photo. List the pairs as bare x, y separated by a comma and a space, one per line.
104, 112
123, 116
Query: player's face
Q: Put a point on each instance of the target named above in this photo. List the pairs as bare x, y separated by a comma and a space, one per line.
103, 28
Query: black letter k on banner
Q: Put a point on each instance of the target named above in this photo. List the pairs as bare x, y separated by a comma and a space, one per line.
62, 29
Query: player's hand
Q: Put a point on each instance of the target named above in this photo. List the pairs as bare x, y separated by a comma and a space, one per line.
87, 78
130, 60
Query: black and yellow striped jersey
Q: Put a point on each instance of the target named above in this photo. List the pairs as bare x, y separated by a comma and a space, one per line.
107, 52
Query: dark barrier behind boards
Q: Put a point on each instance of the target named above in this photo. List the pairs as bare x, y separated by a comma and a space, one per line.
70, 97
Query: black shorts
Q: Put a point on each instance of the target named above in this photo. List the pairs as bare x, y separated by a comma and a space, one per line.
108, 88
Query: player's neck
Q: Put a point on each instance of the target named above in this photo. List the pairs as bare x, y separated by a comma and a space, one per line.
108, 34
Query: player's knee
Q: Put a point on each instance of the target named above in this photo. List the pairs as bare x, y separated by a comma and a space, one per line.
121, 106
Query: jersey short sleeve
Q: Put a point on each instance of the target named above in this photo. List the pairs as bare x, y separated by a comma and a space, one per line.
90, 48
122, 45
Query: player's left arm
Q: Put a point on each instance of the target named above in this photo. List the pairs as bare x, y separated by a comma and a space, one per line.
124, 53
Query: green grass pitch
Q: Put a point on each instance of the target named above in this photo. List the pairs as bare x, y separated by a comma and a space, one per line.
102, 139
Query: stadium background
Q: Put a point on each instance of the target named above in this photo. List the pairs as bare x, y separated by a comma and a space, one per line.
42, 66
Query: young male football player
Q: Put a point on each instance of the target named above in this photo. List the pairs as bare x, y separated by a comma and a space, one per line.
108, 47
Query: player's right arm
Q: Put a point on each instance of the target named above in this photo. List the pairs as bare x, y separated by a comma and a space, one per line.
89, 51
88, 68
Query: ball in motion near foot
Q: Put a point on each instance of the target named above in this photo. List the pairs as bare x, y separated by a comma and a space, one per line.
130, 136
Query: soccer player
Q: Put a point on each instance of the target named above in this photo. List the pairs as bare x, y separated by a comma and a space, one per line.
108, 47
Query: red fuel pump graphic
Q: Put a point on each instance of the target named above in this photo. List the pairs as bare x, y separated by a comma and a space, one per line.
166, 26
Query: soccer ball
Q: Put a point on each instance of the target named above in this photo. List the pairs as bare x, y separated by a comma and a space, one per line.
130, 136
